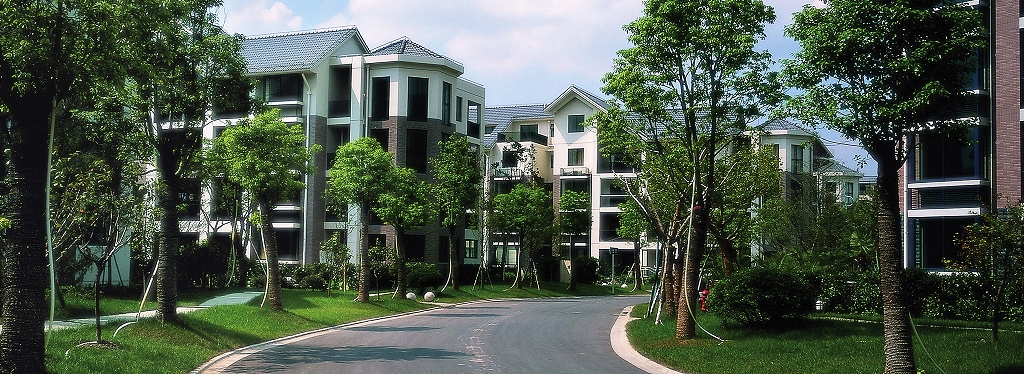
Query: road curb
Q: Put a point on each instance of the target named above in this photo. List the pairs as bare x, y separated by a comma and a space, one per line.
621, 346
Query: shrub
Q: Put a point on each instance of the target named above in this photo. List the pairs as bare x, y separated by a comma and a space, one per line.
762, 296
313, 281
422, 275
586, 268
858, 293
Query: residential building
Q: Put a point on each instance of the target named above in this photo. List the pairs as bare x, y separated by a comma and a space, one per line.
566, 156
329, 82
948, 182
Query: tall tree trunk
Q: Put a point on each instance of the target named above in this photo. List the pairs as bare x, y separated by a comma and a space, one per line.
364, 252
572, 263
167, 239
668, 289
270, 253
24, 271
899, 348
728, 251
454, 260
96, 299
403, 270
685, 325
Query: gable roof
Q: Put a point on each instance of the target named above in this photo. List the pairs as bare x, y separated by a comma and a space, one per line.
292, 51
830, 166
502, 116
404, 46
574, 91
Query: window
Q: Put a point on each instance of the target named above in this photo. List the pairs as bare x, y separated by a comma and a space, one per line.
528, 129
612, 193
458, 109
613, 162
472, 249
473, 120
287, 244
381, 98
934, 240
575, 123
381, 135
576, 157
442, 249
284, 88
797, 158
576, 184
418, 98
416, 150
509, 159
415, 248
446, 103
938, 156
609, 225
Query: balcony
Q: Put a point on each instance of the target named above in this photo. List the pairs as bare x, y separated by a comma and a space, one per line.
523, 137
339, 108
575, 171
473, 129
508, 172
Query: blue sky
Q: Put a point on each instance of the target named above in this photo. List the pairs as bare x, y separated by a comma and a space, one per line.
521, 51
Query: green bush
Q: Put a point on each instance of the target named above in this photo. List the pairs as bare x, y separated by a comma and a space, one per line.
313, 281
762, 296
858, 293
586, 268
422, 275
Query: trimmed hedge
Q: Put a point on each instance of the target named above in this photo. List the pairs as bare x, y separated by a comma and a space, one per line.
763, 296
962, 296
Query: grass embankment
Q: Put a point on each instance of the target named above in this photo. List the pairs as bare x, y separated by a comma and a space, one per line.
824, 346
79, 302
153, 347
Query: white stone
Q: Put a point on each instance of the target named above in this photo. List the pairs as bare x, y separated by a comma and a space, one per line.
429, 296
410, 296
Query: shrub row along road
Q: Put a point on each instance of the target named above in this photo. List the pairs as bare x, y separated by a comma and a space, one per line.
568, 335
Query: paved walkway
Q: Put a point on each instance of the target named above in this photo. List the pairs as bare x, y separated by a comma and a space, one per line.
229, 299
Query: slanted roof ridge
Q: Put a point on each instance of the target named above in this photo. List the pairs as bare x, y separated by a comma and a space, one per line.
301, 32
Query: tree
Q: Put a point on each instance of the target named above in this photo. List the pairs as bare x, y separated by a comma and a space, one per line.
405, 204
456, 187
749, 175
528, 211
337, 256
51, 49
355, 178
191, 69
267, 157
574, 219
877, 72
994, 249
691, 80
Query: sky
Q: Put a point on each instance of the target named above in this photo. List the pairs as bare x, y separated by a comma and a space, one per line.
521, 51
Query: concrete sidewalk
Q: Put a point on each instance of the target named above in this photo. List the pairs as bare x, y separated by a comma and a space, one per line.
229, 299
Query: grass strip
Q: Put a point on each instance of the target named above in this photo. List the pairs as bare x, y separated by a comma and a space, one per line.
821, 346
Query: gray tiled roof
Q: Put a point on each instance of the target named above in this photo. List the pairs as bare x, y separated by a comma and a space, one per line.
828, 165
291, 51
404, 46
502, 116
781, 125
597, 99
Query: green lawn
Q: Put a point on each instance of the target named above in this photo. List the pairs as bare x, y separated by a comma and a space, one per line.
153, 347
79, 302
822, 346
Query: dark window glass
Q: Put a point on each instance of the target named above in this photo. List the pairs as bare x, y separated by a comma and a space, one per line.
416, 150
576, 157
446, 103
418, 98
284, 87
939, 156
575, 123
382, 137
442, 249
287, 244
472, 249
509, 159
934, 240
609, 163
381, 98
576, 184
609, 225
415, 248
378, 240
458, 109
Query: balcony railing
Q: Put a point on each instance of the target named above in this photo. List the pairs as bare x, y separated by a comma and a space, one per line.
339, 108
523, 137
575, 171
507, 172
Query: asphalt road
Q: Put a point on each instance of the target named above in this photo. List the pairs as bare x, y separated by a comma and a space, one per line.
505, 336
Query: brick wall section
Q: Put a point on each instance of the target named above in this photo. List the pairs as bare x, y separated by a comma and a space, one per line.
1006, 132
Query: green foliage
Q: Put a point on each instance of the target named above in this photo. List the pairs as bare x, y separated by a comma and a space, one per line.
527, 210
762, 296
240, 152
457, 177
816, 233
4, 223
423, 275
587, 267
203, 264
356, 174
574, 212
406, 201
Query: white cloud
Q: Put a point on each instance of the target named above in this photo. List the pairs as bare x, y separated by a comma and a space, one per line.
259, 17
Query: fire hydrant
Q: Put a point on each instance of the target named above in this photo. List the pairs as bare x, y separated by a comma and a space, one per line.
703, 297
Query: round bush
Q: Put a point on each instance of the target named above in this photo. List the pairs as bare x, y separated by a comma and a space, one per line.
762, 296
313, 281
422, 275
586, 267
